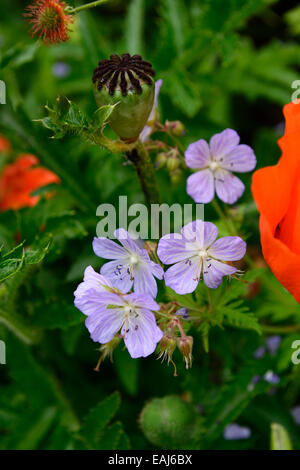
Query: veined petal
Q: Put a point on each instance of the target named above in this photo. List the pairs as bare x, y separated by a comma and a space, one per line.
92, 300
197, 154
92, 280
105, 323
108, 249
200, 232
142, 301
213, 272
126, 240
240, 159
229, 188
118, 274
183, 277
221, 144
156, 270
144, 282
171, 250
228, 249
201, 187
141, 334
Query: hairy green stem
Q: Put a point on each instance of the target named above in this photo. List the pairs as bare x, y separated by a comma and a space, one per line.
85, 7
146, 173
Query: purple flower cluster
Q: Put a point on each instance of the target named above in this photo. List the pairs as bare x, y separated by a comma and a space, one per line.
195, 253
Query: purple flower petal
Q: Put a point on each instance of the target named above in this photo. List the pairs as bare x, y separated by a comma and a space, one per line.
141, 334
271, 377
240, 159
183, 277
146, 132
105, 323
228, 249
204, 233
295, 412
197, 154
144, 282
221, 144
124, 238
228, 187
273, 343
92, 280
156, 270
172, 250
214, 271
259, 353
118, 274
142, 301
201, 187
236, 432
108, 249
92, 299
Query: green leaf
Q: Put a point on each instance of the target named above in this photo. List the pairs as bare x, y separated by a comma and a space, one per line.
98, 418
128, 370
280, 439
134, 27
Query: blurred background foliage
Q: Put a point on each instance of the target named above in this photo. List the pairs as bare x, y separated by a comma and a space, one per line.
223, 64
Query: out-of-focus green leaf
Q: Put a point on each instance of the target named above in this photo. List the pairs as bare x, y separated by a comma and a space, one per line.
280, 439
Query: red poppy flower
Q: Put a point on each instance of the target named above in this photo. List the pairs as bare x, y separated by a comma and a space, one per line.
20, 179
276, 191
4, 144
49, 20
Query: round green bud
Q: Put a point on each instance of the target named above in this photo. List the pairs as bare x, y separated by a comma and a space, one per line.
128, 81
170, 423
173, 163
160, 160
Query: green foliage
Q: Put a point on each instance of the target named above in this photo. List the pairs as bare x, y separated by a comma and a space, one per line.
224, 64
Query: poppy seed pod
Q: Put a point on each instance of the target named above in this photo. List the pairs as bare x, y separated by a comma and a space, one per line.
126, 80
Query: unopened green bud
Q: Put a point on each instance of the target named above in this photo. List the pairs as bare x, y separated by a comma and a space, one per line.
107, 350
161, 160
185, 344
176, 128
170, 423
128, 81
173, 162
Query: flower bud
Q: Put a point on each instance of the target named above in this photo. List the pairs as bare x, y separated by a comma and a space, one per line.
173, 162
185, 345
160, 160
170, 423
126, 80
167, 346
176, 128
107, 350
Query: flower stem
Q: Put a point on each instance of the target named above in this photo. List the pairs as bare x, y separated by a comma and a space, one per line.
229, 225
72, 10
146, 173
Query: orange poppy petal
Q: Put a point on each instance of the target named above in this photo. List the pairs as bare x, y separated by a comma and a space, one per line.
284, 263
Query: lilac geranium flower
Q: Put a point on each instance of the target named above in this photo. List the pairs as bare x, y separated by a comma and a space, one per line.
108, 311
148, 129
131, 264
195, 252
216, 161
